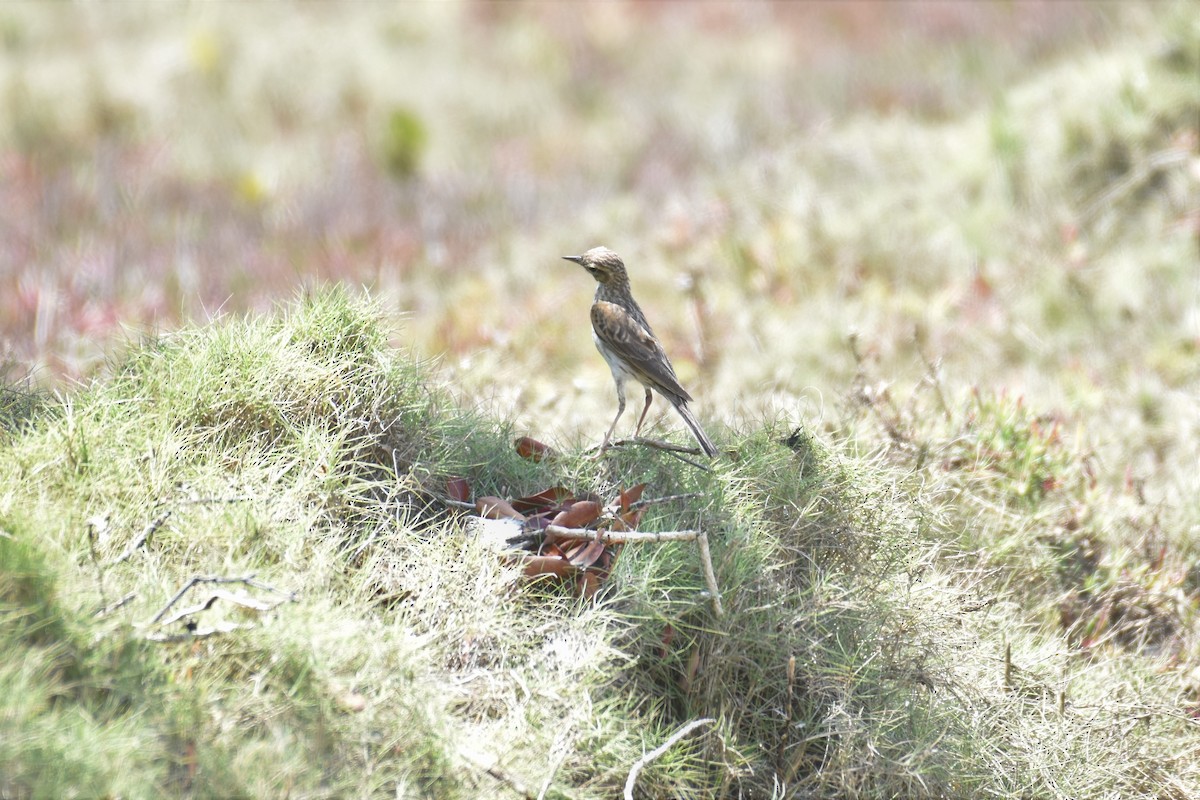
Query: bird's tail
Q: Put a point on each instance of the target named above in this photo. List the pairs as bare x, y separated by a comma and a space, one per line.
706, 444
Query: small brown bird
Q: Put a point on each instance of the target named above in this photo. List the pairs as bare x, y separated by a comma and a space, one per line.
624, 338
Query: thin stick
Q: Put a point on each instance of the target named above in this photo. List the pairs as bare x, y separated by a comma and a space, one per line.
653, 501
674, 450
451, 501
622, 536
106, 610
141, 538
248, 580
658, 751
655, 444
1141, 173
688, 461
710, 577
237, 599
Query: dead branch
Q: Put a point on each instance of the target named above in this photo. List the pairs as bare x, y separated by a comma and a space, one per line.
1135, 178
124, 601
195, 580
658, 751
710, 577
451, 502
245, 601
141, 538
615, 537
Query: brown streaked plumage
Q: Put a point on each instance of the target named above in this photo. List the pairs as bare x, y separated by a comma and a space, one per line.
625, 339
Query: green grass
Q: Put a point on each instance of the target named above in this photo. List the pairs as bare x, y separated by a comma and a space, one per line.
297, 447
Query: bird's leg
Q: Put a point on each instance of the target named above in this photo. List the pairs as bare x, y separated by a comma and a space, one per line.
638, 430
613, 427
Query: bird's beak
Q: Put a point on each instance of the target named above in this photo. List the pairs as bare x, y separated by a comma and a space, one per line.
576, 259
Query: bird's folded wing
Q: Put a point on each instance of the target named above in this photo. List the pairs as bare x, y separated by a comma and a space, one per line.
637, 347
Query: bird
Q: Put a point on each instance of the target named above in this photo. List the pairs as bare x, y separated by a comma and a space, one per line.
628, 344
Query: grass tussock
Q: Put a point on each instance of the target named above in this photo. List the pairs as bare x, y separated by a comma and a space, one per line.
299, 449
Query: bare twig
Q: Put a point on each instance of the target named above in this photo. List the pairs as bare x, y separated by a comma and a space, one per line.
242, 600
658, 751
248, 580
710, 577
451, 502
124, 601
689, 462
653, 501
622, 536
655, 444
141, 538
675, 450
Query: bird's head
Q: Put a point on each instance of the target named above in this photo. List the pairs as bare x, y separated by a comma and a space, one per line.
604, 265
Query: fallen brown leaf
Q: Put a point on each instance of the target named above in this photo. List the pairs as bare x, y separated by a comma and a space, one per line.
532, 449
585, 554
578, 515
546, 566
458, 489
495, 508
547, 498
631, 496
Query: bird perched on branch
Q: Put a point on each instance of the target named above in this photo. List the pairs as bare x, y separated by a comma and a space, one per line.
624, 338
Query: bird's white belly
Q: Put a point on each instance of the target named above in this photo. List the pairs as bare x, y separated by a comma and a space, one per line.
620, 373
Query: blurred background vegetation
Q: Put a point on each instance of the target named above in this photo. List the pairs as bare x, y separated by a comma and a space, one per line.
776, 175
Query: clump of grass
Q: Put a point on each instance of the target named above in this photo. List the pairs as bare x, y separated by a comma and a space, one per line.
298, 448
265, 438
